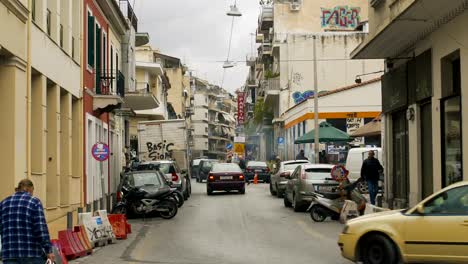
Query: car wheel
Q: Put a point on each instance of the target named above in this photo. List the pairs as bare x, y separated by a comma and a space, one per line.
297, 205
362, 187
272, 192
377, 249
279, 194
287, 203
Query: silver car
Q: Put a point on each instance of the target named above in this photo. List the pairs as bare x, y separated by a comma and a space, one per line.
304, 181
278, 179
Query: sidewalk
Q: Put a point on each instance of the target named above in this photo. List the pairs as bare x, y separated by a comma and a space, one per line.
118, 252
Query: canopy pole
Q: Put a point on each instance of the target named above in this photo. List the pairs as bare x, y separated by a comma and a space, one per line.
316, 124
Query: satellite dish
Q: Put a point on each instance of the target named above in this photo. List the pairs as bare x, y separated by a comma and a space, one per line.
234, 11
228, 64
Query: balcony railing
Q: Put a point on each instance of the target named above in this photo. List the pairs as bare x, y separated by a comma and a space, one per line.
105, 83
271, 84
143, 88
127, 10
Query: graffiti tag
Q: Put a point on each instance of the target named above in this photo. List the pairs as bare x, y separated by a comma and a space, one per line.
341, 17
297, 78
160, 151
299, 97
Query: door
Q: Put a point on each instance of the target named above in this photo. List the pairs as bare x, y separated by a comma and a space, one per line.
290, 187
441, 234
400, 159
427, 185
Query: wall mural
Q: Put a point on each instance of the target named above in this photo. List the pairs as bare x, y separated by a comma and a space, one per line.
300, 97
341, 17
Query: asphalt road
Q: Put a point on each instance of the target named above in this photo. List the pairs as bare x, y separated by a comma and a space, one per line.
228, 229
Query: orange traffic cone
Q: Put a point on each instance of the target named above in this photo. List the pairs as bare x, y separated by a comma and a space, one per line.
255, 179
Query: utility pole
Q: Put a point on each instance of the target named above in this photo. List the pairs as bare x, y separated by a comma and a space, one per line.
316, 119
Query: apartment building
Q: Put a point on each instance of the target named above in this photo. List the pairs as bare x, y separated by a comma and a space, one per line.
213, 121
40, 98
283, 71
424, 46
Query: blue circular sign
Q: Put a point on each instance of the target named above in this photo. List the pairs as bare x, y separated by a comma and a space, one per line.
229, 146
100, 151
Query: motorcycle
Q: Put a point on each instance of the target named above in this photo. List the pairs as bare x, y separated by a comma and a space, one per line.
330, 204
141, 201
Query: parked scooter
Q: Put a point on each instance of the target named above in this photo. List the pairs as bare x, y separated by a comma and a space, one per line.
139, 201
330, 204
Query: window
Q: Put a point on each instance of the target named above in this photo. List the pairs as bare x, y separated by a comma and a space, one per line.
112, 65
206, 129
49, 22
451, 202
61, 36
90, 49
98, 58
206, 115
452, 168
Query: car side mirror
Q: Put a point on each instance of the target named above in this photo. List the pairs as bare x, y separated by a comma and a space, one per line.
420, 209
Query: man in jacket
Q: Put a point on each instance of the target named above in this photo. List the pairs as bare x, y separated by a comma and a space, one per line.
370, 172
23, 228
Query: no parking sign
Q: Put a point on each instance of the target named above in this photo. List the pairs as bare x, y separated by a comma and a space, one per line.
100, 151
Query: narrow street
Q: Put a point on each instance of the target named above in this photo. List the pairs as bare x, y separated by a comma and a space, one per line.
228, 228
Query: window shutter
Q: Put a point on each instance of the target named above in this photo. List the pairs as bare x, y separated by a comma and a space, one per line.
98, 60
90, 40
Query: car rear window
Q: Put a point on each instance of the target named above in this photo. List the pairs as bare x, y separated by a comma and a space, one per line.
256, 164
196, 162
166, 168
145, 179
209, 163
293, 166
226, 167
318, 173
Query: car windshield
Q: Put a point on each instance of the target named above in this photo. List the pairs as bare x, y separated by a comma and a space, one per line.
145, 179
209, 163
318, 173
256, 164
226, 167
196, 162
293, 166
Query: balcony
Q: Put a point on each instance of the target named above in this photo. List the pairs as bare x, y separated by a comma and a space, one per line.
154, 68
272, 90
259, 38
108, 94
265, 21
127, 11
141, 38
141, 98
250, 61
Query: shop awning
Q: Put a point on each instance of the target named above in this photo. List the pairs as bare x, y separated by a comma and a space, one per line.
415, 23
327, 133
373, 128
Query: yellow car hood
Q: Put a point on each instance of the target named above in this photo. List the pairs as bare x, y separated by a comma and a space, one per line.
375, 215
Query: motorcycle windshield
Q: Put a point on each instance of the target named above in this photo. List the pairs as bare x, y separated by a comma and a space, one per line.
145, 179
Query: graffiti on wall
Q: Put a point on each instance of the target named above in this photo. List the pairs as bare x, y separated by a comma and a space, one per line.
159, 151
341, 17
299, 97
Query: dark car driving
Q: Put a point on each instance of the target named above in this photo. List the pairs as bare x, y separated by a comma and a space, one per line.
257, 167
225, 177
204, 168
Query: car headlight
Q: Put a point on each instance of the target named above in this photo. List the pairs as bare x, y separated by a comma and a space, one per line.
345, 229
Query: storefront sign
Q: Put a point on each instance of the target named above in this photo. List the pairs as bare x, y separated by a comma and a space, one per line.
239, 139
352, 124
240, 108
100, 151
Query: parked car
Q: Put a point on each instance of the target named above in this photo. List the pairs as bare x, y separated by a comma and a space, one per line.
180, 178
354, 160
434, 231
278, 179
204, 168
302, 183
225, 177
257, 167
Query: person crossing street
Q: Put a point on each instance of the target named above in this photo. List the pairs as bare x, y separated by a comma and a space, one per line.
370, 172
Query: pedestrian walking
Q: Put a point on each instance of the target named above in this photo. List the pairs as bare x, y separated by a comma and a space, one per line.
24, 232
301, 155
323, 157
370, 172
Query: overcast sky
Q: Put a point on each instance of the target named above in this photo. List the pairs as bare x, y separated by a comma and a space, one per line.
197, 31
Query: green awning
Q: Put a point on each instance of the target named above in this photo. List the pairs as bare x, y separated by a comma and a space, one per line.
327, 133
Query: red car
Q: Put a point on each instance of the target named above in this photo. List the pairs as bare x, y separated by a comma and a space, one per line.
225, 177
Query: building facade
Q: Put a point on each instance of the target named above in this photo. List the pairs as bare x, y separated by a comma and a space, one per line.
283, 73
40, 78
213, 122
423, 90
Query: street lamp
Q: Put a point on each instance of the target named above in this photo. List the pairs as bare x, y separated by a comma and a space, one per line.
234, 11
228, 64
358, 79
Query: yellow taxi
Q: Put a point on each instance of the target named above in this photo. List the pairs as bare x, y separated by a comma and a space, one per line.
434, 231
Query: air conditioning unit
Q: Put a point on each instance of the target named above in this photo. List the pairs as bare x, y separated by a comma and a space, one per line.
295, 6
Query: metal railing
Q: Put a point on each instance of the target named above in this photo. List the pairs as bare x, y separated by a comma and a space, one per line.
105, 83
127, 10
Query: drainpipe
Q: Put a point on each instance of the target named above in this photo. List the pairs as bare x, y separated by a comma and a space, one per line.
81, 115
28, 93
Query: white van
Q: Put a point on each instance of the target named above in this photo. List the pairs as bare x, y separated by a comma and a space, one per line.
356, 157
